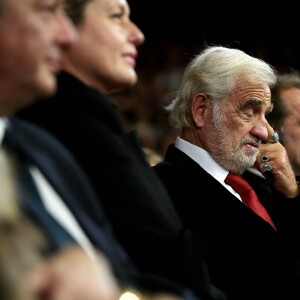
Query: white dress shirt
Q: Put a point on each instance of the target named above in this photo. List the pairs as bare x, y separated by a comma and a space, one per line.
202, 157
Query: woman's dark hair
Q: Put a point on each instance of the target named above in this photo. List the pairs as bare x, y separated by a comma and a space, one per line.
75, 9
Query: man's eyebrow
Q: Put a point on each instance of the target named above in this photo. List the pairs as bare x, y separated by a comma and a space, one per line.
256, 102
251, 102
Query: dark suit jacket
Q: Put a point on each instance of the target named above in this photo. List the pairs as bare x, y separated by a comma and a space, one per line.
133, 197
70, 182
247, 259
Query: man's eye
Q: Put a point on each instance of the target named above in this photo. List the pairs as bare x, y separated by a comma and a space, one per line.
249, 113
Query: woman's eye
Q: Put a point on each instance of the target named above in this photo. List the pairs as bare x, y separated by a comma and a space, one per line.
117, 16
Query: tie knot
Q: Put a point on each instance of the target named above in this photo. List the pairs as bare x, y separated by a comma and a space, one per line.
238, 183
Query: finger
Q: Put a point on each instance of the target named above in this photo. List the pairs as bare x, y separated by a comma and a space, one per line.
270, 131
266, 169
273, 136
264, 158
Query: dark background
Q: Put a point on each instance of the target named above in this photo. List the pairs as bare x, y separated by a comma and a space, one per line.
177, 30
270, 31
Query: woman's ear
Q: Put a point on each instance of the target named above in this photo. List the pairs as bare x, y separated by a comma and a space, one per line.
199, 106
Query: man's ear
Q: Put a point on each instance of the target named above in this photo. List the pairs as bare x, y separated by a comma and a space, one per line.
199, 106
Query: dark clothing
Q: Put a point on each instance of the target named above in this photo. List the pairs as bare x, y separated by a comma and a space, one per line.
246, 257
260, 184
133, 197
69, 181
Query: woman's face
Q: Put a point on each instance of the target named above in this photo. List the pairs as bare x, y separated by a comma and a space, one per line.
105, 54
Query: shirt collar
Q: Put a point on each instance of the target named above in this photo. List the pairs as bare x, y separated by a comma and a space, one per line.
202, 157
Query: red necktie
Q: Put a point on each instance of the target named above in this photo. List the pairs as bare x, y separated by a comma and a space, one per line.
248, 195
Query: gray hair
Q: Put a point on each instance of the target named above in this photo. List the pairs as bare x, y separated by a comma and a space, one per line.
214, 72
